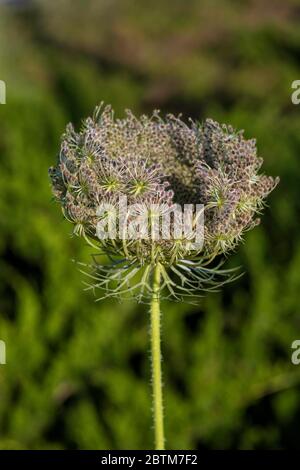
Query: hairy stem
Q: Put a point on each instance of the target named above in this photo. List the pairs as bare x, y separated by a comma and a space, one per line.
156, 362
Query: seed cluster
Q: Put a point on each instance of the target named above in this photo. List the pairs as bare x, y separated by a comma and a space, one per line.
229, 184
151, 160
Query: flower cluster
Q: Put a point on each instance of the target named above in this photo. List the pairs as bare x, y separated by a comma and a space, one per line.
166, 162
229, 185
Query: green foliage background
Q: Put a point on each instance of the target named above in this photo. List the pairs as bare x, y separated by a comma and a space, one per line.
77, 373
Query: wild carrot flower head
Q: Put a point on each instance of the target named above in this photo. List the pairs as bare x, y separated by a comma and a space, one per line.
163, 164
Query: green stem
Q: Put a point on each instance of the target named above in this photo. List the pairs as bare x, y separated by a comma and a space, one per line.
156, 362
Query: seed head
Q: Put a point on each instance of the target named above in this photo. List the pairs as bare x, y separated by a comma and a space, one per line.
164, 163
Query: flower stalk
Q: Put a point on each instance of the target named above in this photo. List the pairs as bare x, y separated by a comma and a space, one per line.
156, 362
